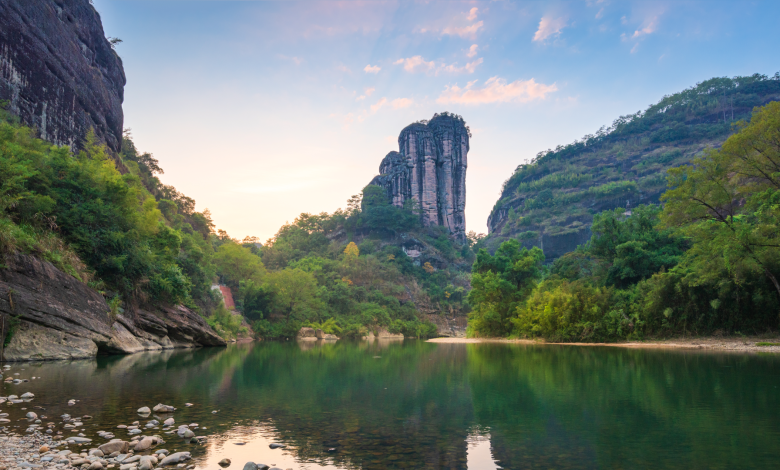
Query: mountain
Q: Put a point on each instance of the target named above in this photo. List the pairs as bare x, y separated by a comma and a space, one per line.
550, 202
430, 168
58, 72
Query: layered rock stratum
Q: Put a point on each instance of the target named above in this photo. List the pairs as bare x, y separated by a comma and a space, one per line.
60, 317
430, 168
59, 73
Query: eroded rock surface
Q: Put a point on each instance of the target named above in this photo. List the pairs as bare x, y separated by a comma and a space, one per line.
62, 318
430, 167
59, 73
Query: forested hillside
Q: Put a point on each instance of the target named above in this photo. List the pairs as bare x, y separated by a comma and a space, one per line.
706, 262
109, 221
550, 202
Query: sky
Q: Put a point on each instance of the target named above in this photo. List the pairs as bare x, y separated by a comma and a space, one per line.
263, 110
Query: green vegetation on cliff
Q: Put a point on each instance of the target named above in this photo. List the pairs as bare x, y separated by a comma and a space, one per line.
706, 262
551, 201
109, 221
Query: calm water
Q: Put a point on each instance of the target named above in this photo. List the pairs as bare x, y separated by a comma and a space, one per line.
422, 405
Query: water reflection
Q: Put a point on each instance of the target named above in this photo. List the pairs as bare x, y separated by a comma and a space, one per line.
420, 405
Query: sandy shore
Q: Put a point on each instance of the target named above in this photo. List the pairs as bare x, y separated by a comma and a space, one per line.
735, 344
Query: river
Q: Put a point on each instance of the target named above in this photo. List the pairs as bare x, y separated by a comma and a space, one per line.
412, 404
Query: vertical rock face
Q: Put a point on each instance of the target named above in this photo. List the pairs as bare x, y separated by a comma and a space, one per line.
58, 72
430, 167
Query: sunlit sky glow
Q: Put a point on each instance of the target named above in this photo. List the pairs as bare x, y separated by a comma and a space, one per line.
261, 110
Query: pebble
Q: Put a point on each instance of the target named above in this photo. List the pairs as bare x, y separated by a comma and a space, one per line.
224, 463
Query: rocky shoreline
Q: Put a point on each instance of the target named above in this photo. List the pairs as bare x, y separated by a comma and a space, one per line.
36, 440
60, 317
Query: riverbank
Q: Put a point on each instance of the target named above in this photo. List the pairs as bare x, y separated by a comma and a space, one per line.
751, 344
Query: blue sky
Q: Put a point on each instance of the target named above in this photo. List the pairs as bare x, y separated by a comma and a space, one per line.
261, 110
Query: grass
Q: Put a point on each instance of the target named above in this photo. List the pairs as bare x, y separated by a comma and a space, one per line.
764, 343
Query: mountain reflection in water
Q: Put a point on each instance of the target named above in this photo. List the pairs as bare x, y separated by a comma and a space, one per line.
414, 404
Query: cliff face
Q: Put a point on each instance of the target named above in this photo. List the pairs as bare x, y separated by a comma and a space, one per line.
58, 72
61, 318
430, 167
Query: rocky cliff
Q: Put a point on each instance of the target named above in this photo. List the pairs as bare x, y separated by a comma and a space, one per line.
430, 168
58, 72
61, 318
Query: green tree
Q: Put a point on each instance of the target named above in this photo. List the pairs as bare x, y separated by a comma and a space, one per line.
296, 292
236, 263
633, 247
499, 283
728, 200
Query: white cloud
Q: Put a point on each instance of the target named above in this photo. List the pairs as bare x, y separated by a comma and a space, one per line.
372, 68
399, 103
469, 31
378, 105
416, 64
650, 27
473, 14
366, 93
419, 64
635, 48
600, 13
468, 68
496, 90
472, 51
295, 60
548, 27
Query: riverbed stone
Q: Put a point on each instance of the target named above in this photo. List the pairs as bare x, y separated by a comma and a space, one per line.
144, 444
160, 408
178, 457
114, 446
144, 410
224, 463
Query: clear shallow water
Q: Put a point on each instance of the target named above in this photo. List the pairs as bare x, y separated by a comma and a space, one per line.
423, 405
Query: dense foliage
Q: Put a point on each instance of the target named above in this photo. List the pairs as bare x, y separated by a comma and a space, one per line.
552, 199
348, 274
109, 221
706, 262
